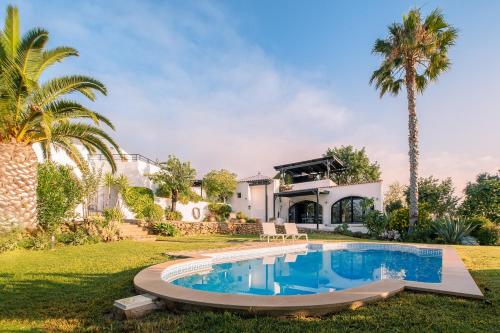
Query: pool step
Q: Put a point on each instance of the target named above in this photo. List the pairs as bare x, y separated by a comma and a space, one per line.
136, 306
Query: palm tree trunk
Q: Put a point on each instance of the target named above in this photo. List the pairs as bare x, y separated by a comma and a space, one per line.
413, 145
18, 181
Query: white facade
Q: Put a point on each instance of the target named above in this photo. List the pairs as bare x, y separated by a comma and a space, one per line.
257, 197
251, 200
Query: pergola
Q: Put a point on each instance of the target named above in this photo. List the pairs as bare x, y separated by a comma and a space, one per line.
306, 171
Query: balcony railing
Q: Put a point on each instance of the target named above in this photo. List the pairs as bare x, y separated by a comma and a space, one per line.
123, 157
306, 185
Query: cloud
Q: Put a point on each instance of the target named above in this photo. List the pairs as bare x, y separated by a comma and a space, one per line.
183, 81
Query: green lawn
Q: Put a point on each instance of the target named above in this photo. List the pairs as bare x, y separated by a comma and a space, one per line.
73, 289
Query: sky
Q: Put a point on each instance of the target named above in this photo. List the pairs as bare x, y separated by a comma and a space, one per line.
246, 85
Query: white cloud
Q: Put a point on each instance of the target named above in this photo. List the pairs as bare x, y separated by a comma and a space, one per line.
182, 80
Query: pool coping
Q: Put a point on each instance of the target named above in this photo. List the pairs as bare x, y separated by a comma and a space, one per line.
456, 280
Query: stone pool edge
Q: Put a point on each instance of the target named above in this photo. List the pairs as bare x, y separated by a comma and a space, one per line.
456, 281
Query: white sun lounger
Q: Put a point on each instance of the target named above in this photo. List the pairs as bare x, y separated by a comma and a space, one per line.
292, 231
269, 232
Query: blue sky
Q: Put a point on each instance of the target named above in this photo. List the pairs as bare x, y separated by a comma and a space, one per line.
246, 85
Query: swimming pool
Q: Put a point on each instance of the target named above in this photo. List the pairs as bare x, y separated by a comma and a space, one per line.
316, 271
304, 278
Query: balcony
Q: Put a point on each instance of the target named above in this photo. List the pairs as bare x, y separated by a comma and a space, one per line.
307, 185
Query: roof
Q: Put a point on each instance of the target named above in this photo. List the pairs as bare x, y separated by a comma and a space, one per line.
317, 165
297, 193
258, 179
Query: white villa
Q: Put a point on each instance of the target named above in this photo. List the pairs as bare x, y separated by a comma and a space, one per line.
308, 197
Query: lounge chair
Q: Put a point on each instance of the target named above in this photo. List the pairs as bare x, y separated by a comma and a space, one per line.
269, 232
292, 231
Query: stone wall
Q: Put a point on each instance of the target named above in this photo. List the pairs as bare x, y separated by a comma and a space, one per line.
224, 228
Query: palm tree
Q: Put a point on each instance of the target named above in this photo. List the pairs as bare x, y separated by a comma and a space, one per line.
415, 53
122, 185
108, 181
176, 177
33, 112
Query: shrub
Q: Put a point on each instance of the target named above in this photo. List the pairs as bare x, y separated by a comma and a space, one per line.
220, 210
343, 229
251, 220
399, 220
40, 241
139, 199
241, 215
153, 213
452, 231
58, 193
487, 234
376, 222
10, 240
484, 230
78, 237
164, 229
173, 215
113, 214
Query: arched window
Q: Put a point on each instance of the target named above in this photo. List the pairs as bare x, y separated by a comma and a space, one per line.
348, 210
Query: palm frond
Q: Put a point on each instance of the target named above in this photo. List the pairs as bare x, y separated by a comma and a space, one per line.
10, 38
64, 85
50, 57
30, 50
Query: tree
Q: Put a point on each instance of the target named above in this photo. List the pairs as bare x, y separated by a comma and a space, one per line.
438, 196
394, 198
358, 167
59, 191
34, 112
122, 185
91, 179
108, 181
220, 184
415, 52
175, 176
482, 198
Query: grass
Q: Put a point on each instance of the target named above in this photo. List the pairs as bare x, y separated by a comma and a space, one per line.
73, 288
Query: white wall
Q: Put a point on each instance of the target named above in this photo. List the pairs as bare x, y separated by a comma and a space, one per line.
368, 190
186, 209
252, 202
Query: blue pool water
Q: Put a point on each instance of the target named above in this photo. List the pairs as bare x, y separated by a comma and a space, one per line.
314, 272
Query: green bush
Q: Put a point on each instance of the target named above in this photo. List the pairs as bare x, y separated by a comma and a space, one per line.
488, 234
153, 213
40, 241
343, 229
78, 237
10, 240
173, 215
164, 229
220, 210
139, 200
452, 231
399, 220
241, 215
376, 222
59, 191
484, 231
251, 220
113, 214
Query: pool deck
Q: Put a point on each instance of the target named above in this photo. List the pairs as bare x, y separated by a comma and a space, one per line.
456, 280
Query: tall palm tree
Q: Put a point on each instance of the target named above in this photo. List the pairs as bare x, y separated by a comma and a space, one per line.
414, 53
33, 112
